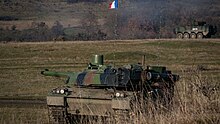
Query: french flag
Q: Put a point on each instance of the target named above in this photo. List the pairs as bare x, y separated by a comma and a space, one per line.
113, 5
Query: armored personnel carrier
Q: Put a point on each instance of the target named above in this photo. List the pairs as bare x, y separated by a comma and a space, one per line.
107, 94
197, 30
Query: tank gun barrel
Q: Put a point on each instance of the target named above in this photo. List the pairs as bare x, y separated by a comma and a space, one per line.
55, 74
71, 76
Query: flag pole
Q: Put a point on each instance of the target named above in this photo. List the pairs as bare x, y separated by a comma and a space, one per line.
116, 28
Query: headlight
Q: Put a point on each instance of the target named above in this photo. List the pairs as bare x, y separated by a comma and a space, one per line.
117, 94
58, 91
54, 91
122, 95
62, 91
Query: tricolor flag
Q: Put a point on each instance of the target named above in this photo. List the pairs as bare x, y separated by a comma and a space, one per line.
113, 5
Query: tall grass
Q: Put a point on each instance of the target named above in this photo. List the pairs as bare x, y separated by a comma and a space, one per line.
196, 101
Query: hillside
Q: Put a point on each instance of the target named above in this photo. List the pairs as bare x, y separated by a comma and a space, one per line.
150, 17
24, 12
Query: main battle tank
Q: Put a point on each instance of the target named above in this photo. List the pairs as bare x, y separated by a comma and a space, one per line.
197, 30
107, 94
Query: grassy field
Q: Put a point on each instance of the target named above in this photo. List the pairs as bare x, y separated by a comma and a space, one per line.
196, 61
47, 11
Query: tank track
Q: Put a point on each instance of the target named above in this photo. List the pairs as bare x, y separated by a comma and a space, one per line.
57, 115
121, 116
86, 119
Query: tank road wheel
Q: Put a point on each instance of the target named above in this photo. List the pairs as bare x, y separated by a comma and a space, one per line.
179, 35
57, 115
193, 35
186, 35
199, 35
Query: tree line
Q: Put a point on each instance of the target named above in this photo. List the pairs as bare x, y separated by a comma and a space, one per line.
135, 19
40, 31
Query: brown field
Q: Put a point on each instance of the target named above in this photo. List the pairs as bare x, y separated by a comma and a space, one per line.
197, 98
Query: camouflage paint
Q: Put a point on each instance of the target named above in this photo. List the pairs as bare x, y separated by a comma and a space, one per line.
92, 78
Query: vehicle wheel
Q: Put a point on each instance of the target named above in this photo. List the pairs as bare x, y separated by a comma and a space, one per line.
193, 35
186, 36
179, 35
199, 35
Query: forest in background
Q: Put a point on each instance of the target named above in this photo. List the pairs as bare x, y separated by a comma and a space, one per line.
40, 20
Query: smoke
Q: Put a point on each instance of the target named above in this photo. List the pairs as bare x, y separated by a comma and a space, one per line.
167, 14
170, 8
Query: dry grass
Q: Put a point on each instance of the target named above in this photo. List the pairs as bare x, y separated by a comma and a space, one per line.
16, 115
197, 62
196, 101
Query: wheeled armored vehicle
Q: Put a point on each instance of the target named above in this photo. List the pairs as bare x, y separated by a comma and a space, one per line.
197, 30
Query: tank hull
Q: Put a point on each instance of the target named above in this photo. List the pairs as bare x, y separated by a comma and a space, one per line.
93, 103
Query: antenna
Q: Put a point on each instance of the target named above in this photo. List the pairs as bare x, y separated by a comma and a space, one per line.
143, 61
116, 34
